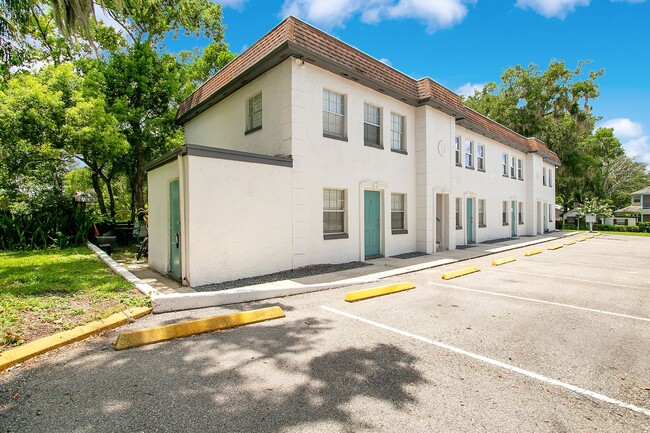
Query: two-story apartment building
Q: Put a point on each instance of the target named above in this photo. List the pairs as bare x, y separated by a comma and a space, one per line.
304, 150
637, 211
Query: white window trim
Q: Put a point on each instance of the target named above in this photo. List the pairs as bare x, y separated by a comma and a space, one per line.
249, 114
343, 135
480, 159
469, 156
401, 135
404, 229
377, 125
458, 154
343, 234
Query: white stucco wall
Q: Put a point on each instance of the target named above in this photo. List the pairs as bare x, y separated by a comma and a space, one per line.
224, 125
239, 219
321, 162
245, 219
159, 229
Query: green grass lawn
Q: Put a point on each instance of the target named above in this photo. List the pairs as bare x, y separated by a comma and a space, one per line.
641, 234
42, 292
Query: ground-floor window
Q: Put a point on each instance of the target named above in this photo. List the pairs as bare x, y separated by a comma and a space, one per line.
550, 213
520, 213
333, 211
397, 212
504, 213
481, 213
459, 220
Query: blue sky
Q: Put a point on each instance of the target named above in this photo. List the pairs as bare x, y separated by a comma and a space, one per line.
465, 43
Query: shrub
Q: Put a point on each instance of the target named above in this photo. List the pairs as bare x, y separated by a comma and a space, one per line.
569, 226
60, 224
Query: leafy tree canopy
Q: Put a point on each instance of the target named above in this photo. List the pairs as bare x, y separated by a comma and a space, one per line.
555, 106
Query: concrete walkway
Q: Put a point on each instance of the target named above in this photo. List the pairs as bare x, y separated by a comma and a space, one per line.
378, 268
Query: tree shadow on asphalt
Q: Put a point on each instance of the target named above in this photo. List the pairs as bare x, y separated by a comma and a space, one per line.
270, 377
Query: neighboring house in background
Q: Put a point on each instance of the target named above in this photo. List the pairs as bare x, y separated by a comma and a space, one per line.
304, 150
638, 211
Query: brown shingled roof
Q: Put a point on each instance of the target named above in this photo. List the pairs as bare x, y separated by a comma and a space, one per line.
293, 37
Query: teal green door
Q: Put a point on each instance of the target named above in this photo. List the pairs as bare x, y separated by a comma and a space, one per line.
513, 219
174, 229
470, 221
372, 223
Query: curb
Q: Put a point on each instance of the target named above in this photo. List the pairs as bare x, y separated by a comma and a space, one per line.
503, 261
360, 295
158, 334
46, 344
532, 252
143, 287
460, 272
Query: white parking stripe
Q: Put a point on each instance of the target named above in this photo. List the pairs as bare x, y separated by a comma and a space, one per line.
530, 374
558, 304
559, 277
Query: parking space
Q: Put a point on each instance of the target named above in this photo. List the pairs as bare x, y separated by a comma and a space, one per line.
554, 342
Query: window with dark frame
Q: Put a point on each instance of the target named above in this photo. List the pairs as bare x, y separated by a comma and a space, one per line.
520, 213
254, 113
459, 220
520, 169
504, 213
544, 176
469, 154
333, 114
481, 213
333, 211
480, 157
504, 162
397, 212
459, 161
372, 125
513, 164
398, 132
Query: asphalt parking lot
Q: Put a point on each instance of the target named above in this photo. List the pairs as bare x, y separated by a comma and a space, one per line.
559, 341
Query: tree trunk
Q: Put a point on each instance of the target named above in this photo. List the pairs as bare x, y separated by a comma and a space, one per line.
138, 178
111, 195
98, 190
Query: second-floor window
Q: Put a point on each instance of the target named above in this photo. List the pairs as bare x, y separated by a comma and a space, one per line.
397, 132
254, 113
544, 176
520, 169
469, 154
371, 125
459, 161
513, 162
480, 157
504, 163
550, 177
333, 114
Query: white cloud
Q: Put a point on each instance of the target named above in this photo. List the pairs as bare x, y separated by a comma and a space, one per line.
468, 89
627, 1
437, 14
631, 135
639, 147
385, 61
552, 8
624, 128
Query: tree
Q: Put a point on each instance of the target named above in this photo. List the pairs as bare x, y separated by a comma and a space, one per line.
554, 106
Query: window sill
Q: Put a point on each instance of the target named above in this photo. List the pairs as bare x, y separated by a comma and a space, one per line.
459, 227
513, 177
335, 137
521, 224
469, 167
459, 165
506, 176
328, 236
482, 170
376, 146
505, 224
521, 178
403, 152
400, 232
250, 131
482, 226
